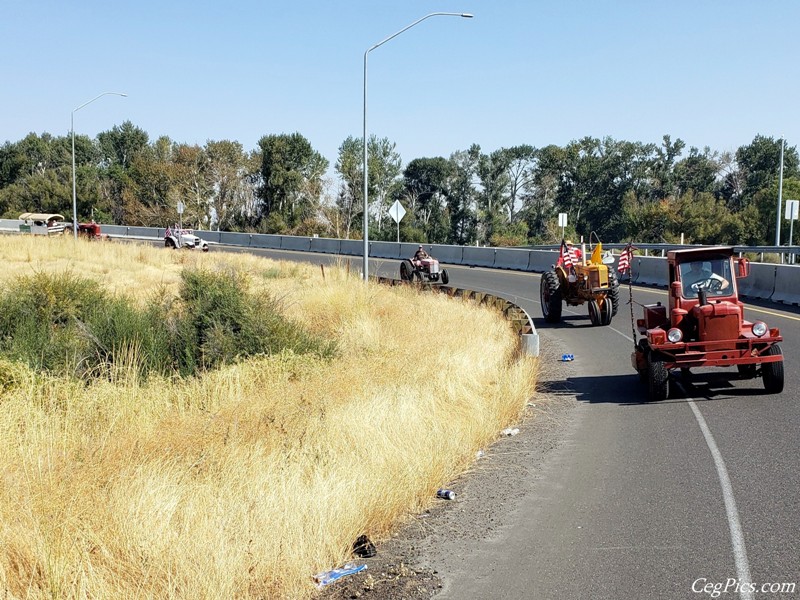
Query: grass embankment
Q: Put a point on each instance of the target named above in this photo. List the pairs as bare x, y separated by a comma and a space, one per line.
243, 481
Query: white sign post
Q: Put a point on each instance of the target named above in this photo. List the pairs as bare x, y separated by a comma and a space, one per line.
397, 212
180, 214
562, 222
792, 210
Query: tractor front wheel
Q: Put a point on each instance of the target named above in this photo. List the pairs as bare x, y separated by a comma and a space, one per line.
607, 311
594, 312
550, 295
657, 379
772, 372
445, 277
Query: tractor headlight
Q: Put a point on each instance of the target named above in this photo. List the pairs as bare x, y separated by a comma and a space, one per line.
674, 335
759, 328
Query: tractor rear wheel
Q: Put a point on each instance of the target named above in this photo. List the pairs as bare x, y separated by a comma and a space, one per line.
550, 295
613, 291
772, 373
169, 243
657, 379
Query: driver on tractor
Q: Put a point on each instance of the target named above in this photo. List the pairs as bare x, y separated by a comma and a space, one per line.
575, 252
697, 276
420, 254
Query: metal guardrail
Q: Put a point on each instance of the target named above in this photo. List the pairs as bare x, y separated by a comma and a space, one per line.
517, 316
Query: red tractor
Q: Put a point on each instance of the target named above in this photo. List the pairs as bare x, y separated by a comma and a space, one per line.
704, 325
91, 231
422, 266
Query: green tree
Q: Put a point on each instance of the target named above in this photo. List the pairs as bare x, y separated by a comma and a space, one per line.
350, 198
121, 144
697, 172
230, 179
291, 180
462, 196
384, 170
425, 192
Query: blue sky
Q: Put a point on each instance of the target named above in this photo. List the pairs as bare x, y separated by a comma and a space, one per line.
713, 73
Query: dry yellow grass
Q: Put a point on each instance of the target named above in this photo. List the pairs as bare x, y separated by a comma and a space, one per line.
245, 482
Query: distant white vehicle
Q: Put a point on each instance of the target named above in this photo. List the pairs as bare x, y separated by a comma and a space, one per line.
43, 224
177, 237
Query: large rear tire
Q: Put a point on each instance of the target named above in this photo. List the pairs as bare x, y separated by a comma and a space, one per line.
772, 373
613, 291
550, 296
657, 379
406, 270
169, 243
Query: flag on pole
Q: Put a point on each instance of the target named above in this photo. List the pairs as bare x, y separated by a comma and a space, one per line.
568, 256
625, 257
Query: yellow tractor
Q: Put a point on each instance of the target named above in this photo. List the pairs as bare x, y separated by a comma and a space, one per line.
578, 280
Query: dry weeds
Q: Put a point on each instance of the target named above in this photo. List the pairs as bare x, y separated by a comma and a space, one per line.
246, 481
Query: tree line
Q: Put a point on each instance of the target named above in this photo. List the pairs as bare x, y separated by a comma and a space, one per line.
620, 190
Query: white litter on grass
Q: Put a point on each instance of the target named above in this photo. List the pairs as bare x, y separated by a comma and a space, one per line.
480, 454
509, 431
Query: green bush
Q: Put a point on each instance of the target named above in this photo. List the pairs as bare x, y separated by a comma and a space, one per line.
218, 321
68, 325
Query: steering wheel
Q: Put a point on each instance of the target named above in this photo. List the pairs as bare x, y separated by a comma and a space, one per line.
712, 284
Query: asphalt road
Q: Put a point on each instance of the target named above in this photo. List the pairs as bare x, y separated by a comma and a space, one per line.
639, 501
684, 498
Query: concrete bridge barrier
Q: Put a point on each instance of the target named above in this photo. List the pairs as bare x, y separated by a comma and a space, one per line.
478, 257
787, 284
509, 258
261, 240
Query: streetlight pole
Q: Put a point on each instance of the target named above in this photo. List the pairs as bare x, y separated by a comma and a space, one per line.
72, 130
780, 201
366, 170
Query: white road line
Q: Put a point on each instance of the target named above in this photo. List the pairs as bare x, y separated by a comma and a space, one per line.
735, 526
737, 538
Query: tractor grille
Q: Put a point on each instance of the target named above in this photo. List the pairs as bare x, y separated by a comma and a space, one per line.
718, 321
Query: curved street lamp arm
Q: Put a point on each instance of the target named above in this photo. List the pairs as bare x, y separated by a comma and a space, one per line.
365, 167
100, 96
407, 27
72, 132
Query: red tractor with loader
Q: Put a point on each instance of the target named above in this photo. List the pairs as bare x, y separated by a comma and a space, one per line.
704, 325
